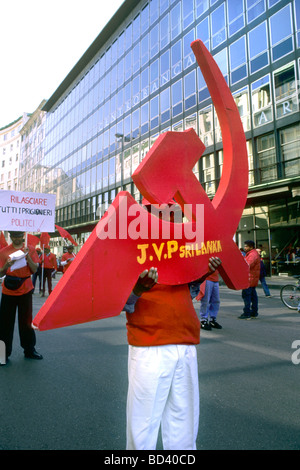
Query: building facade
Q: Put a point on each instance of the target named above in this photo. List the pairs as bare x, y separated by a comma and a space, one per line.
10, 151
32, 175
139, 78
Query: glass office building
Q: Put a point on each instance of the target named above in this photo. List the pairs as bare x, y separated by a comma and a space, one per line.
139, 78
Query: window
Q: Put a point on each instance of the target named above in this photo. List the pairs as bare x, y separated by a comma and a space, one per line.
203, 32
221, 59
128, 37
238, 60
107, 64
105, 174
154, 84
165, 105
250, 162
176, 90
136, 28
254, 9
190, 90
258, 47
145, 118
154, 41
261, 101
136, 58
176, 59
241, 99
145, 84
236, 17
145, 18
165, 68
164, 32
281, 33
135, 91
128, 65
154, 10
285, 88
120, 73
297, 15
265, 146
203, 92
190, 122
290, 150
135, 124
154, 112
201, 7
188, 55
218, 26
144, 50
205, 118
187, 12
272, 2
127, 128
163, 5
121, 46
175, 21
208, 165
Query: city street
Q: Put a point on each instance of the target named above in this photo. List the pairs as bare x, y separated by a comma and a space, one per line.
75, 398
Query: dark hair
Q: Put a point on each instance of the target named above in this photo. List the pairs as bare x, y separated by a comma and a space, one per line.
249, 243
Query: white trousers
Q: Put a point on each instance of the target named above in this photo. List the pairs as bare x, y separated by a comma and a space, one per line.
163, 390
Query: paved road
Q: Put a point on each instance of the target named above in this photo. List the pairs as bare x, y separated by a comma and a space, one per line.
76, 397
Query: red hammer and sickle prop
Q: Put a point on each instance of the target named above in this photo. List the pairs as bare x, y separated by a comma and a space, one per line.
100, 279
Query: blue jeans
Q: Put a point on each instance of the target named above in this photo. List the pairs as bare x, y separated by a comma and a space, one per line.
210, 303
265, 286
250, 301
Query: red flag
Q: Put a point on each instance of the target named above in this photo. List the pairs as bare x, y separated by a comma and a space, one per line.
44, 238
3, 242
32, 240
63, 233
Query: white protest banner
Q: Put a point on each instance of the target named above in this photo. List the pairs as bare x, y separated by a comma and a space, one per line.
27, 212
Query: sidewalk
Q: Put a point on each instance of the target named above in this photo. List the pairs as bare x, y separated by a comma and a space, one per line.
275, 282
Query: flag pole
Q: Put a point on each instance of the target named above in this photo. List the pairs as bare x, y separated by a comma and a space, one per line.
42, 277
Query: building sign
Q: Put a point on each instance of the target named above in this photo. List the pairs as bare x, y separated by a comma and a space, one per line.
27, 212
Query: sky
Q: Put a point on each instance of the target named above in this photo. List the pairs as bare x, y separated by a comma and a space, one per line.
40, 42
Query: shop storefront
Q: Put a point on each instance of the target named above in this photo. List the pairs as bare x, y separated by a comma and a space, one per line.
274, 226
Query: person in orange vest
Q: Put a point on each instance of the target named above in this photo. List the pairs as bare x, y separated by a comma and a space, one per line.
163, 330
38, 273
17, 296
249, 295
67, 258
49, 266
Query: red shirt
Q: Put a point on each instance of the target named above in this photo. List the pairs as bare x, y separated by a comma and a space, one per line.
164, 315
49, 261
66, 256
253, 259
27, 285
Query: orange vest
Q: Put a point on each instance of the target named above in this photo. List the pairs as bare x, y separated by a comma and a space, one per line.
164, 315
27, 285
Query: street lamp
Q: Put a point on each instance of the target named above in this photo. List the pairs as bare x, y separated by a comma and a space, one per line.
124, 139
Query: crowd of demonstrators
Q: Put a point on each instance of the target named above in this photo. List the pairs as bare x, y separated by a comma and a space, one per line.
163, 330
16, 296
19, 275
